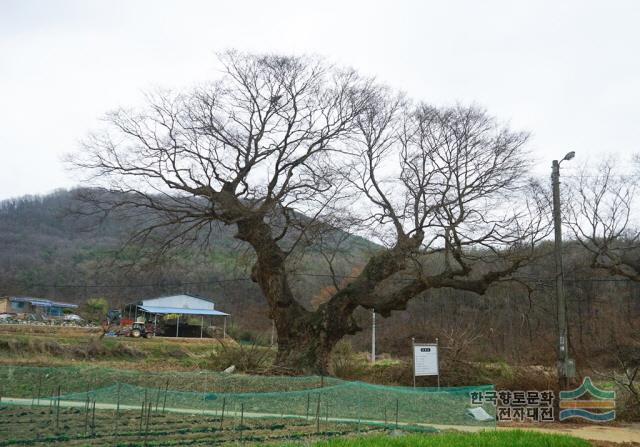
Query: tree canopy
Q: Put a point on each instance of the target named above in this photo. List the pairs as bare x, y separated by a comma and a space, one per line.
284, 149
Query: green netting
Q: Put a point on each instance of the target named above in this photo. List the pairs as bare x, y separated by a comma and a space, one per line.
289, 398
23, 379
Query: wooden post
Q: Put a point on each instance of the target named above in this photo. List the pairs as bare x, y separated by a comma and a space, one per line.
224, 328
118, 400
201, 325
93, 419
413, 354
142, 408
308, 404
318, 415
166, 390
86, 415
241, 422
224, 402
204, 392
146, 428
438, 351
397, 408
116, 422
58, 410
39, 389
326, 404
373, 336
177, 325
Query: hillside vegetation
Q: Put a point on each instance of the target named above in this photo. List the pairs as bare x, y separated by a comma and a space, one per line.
49, 249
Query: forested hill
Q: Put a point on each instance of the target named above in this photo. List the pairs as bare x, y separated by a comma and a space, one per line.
48, 251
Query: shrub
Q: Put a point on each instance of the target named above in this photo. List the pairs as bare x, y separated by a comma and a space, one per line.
246, 358
95, 309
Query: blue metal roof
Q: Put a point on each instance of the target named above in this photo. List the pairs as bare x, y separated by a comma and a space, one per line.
180, 310
192, 295
41, 302
183, 301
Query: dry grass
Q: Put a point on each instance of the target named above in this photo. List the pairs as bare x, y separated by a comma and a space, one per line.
156, 354
54, 331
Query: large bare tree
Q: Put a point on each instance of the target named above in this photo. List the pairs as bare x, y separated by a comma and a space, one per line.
279, 147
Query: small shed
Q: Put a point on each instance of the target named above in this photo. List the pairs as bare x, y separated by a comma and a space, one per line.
182, 304
27, 305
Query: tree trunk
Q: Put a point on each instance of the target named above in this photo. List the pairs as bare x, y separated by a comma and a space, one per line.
305, 344
306, 338
302, 345
303, 350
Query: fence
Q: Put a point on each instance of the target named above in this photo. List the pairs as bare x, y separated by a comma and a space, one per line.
212, 401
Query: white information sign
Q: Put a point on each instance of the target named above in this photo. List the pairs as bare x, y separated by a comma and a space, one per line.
425, 359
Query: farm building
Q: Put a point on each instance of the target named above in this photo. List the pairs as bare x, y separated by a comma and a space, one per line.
178, 310
30, 305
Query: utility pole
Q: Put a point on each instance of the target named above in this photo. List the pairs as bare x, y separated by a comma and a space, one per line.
373, 336
566, 366
273, 332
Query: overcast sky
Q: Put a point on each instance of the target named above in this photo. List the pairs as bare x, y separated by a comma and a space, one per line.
568, 72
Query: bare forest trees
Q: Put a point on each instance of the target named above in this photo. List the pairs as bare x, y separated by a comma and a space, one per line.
286, 148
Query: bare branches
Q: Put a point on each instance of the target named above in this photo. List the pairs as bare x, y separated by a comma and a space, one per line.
444, 181
599, 213
290, 149
458, 168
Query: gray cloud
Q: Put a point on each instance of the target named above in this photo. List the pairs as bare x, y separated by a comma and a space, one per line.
566, 71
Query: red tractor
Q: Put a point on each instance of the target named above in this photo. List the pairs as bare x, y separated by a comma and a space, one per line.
140, 329
116, 326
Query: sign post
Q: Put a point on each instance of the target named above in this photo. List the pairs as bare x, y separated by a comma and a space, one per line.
425, 360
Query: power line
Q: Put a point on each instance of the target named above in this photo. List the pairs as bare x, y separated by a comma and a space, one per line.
317, 275
124, 286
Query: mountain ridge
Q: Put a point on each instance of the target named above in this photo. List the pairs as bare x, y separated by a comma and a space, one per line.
47, 250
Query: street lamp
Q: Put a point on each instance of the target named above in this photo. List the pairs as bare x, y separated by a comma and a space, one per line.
566, 366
